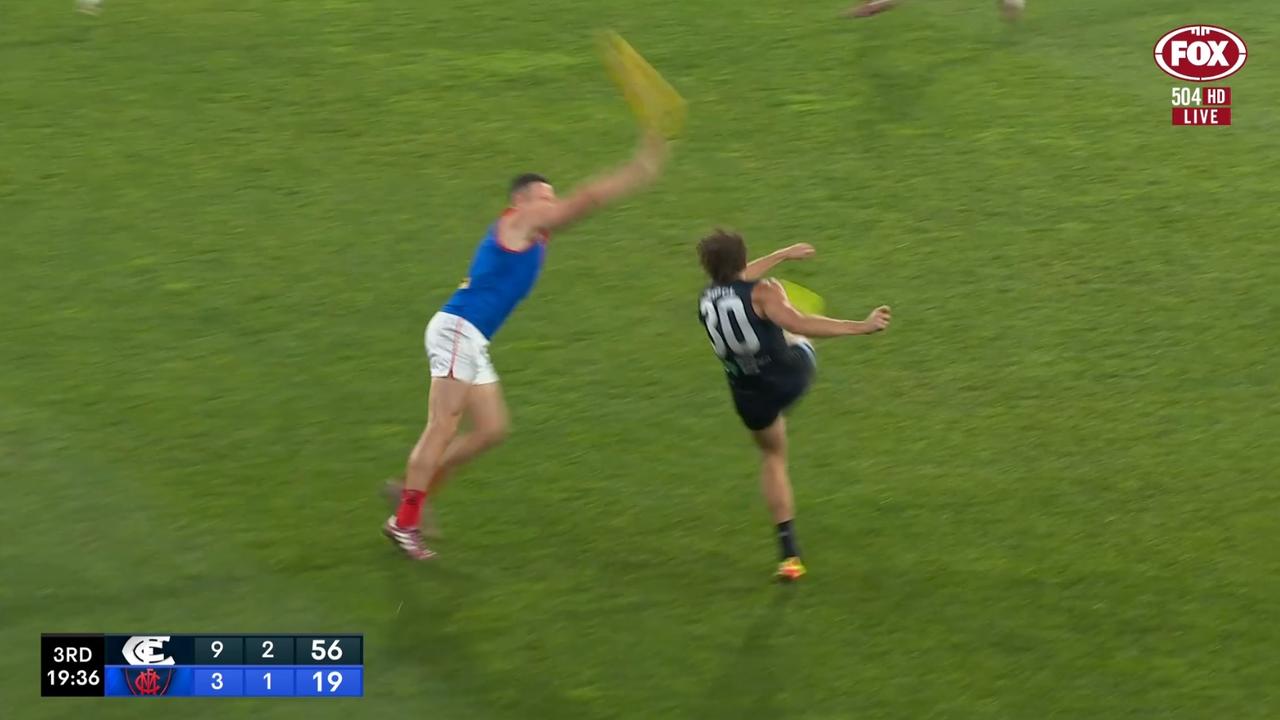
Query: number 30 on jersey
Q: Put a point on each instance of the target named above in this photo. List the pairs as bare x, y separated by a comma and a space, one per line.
721, 317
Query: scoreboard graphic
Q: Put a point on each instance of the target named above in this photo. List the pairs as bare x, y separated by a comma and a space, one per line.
201, 665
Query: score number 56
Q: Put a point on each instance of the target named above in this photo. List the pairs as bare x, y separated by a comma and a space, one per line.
319, 652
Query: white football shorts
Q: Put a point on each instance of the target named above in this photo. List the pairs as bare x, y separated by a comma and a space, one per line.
456, 349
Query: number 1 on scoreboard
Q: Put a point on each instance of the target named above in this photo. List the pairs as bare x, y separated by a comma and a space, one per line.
268, 682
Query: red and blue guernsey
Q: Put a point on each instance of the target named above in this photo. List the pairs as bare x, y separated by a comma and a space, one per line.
498, 280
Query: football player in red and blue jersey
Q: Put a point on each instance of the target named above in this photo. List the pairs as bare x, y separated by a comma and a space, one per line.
503, 271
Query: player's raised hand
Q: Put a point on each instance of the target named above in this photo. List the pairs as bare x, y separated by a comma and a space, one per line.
652, 153
878, 319
800, 251
642, 170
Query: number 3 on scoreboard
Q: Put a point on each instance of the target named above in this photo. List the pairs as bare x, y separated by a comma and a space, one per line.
334, 679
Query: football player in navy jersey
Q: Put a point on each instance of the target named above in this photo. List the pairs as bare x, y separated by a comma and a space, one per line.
762, 342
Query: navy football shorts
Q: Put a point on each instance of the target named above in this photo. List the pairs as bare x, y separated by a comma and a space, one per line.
760, 402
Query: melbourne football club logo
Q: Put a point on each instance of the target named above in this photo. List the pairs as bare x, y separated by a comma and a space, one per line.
148, 682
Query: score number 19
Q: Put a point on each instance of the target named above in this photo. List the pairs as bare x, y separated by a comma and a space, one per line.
334, 679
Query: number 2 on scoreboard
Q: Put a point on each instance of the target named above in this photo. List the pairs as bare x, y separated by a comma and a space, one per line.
335, 679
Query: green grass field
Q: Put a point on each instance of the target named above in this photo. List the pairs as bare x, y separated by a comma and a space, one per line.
1049, 492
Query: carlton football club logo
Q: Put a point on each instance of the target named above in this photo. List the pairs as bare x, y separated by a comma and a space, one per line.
147, 650
1201, 54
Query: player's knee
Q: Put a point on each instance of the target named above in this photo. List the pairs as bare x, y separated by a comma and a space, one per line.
774, 457
494, 433
443, 424
773, 448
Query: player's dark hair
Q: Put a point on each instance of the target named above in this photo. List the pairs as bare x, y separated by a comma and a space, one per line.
723, 255
524, 180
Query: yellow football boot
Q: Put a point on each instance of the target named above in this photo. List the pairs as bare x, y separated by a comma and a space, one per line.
790, 570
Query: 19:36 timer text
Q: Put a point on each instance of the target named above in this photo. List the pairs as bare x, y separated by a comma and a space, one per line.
81, 678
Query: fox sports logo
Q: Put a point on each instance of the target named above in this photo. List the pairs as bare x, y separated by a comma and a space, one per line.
1201, 53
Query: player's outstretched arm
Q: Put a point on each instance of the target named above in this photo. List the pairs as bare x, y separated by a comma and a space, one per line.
757, 268
643, 169
772, 304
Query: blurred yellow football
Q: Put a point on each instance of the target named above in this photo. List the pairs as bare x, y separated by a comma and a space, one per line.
804, 299
656, 105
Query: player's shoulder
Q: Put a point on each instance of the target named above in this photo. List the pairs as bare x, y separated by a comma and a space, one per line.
511, 231
767, 296
767, 287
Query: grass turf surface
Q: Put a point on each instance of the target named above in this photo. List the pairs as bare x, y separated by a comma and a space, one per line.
1049, 491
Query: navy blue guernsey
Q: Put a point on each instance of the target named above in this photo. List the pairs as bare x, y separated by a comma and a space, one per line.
754, 351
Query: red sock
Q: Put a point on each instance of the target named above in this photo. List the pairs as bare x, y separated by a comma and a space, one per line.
410, 508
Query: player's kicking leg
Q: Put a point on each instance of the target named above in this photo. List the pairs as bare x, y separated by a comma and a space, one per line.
775, 485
